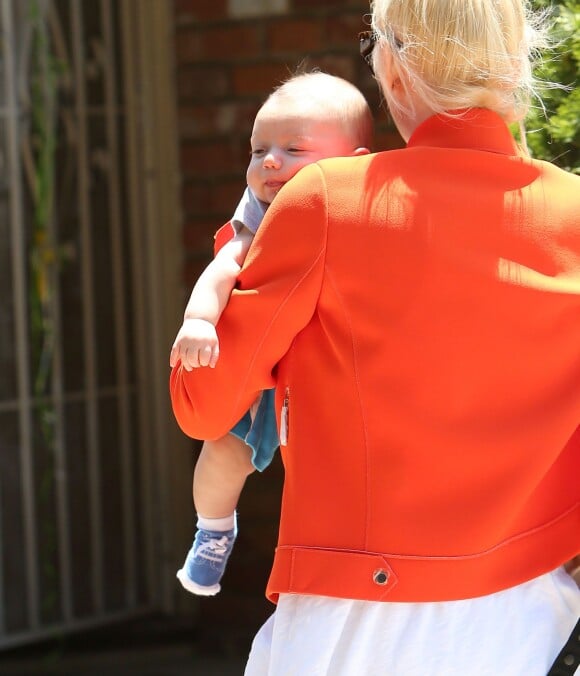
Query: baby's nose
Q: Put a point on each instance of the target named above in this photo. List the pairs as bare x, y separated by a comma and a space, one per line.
272, 161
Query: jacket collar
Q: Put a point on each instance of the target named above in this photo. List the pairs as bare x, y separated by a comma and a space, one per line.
473, 128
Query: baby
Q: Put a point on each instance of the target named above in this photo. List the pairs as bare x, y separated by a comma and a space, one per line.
310, 117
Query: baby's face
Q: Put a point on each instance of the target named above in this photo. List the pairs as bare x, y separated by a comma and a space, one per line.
284, 140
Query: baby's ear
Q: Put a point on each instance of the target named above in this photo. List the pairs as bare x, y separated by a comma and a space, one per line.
360, 151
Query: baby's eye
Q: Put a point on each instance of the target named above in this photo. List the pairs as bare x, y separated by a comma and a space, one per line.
295, 149
257, 152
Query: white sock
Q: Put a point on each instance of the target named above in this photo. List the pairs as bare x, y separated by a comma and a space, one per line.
220, 525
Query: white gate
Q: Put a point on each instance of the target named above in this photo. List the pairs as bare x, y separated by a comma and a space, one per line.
81, 287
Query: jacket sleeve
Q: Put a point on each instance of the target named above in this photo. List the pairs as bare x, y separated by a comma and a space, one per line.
275, 298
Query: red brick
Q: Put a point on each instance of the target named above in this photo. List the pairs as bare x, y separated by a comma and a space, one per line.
198, 239
366, 81
217, 199
342, 31
370, 88
213, 157
226, 194
194, 198
199, 11
229, 42
259, 78
388, 139
202, 83
282, 35
192, 270
344, 66
195, 121
188, 46
217, 118
313, 4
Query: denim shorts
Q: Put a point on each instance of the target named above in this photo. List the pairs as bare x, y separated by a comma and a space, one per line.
261, 432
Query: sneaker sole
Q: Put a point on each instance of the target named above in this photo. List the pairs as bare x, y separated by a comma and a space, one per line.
191, 586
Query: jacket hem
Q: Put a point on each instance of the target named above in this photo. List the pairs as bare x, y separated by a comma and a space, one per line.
373, 576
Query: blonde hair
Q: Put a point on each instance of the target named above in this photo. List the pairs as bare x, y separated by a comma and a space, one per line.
329, 96
463, 53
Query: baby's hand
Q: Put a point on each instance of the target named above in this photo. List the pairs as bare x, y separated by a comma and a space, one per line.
196, 344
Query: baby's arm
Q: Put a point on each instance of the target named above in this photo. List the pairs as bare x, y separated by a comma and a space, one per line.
196, 343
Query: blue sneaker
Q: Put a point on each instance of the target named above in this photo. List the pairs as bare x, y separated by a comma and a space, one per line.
206, 561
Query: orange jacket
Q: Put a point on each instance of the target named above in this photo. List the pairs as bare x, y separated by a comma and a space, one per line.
418, 311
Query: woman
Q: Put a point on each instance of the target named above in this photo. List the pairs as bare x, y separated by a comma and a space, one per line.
421, 324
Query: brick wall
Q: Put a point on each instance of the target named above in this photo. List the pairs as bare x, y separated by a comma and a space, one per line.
226, 66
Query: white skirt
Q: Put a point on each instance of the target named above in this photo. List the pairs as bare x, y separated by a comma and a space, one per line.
516, 632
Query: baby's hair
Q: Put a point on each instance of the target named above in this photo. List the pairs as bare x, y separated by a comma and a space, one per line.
463, 53
330, 96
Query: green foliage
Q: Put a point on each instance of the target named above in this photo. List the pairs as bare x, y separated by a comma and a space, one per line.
44, 70
555, 134
43, 88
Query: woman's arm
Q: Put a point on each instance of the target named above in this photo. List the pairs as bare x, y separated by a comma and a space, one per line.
275, 298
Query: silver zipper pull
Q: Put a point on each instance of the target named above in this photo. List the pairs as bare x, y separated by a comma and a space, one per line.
284, 419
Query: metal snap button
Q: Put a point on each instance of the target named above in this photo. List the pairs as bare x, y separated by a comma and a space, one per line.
380, 576
569, 660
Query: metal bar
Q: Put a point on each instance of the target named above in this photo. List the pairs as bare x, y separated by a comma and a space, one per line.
161, 234
120, 312
89, 307
152, 289
60, 474
20, 305
135, 175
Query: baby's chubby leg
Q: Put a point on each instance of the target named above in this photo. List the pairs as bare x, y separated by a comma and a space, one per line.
219, 477
220, 473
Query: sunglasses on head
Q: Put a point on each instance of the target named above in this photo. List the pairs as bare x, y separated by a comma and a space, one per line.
366, 43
